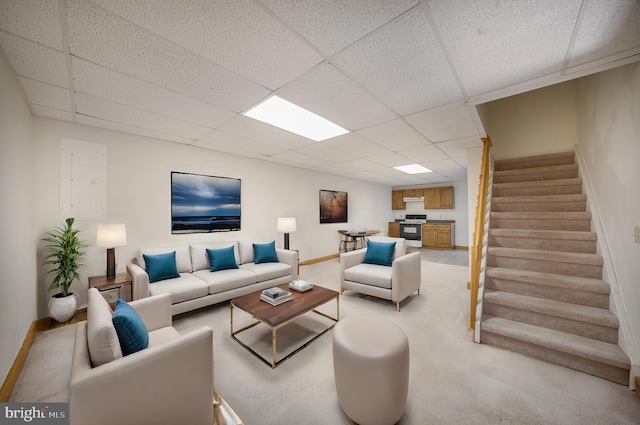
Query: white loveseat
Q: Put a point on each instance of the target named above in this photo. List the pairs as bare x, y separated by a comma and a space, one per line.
199, 287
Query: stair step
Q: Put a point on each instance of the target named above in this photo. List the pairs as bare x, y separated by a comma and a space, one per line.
543, 203
589, 322
556, 262
579, 221
570, 289
534, 161
536, 188
552, 172
551, 240
597, 358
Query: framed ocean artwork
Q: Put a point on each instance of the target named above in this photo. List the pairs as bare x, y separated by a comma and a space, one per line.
204, 204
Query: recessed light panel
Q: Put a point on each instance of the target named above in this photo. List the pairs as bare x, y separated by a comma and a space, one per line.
287, 116
413, 169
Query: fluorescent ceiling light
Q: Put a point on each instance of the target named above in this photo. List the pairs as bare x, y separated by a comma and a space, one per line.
287, 116
413, 169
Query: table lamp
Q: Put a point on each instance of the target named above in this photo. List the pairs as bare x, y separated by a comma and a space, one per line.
286, 225
109, 236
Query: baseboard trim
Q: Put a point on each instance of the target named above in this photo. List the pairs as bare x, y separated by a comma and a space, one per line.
319, 259
462, 247
638, 386
12, 377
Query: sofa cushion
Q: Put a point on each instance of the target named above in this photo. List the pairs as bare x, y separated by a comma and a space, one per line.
183, 257
401, 246
102, 339
225, 280
132, 332
161, 266
246, 250
370, 274
268, 271
265, 253
380, 253
222, 259
199, 258
184, 288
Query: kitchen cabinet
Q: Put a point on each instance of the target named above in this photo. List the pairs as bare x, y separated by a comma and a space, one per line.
438, 236
394, 229
438, 198
396, 200
413, 193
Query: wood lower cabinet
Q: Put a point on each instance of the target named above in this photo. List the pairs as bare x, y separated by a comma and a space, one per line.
394, 230
438, 236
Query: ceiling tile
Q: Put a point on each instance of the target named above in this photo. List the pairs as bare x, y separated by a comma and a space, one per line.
330, 94
458, 175
257, 130
355, 144
325, 152
362, 164
444, 123
111, 111
458, 148
333, 25
240, 144
35, 61
395, 135
391, 159
100, 37
424, 153
104, 83
442, 165
46, 95
299, 159
110, 125
250, 41
403, 65
608, 28
494, 44
36, 20
56, 114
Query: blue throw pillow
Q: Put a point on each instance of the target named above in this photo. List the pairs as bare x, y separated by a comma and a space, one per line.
222, 258
161, 266
132, 333
265, 252
380, 253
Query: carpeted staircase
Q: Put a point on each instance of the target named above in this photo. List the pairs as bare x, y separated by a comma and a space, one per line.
544, 294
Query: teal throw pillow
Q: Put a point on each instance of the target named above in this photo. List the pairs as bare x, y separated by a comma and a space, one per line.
265, 252
222, 258
161, 266
380, 253
132, 333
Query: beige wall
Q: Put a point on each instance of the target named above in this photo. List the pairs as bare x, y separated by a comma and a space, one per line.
539, 122
18, 259
608, 114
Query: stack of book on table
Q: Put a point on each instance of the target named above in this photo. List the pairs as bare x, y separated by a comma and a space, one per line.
276, 296
300, 285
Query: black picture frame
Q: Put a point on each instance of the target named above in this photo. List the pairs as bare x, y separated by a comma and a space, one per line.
334, 206
204, 204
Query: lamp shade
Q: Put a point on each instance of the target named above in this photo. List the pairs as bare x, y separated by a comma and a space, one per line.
286, 224
111, 235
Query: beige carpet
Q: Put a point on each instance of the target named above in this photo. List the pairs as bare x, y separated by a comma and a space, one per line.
453, 380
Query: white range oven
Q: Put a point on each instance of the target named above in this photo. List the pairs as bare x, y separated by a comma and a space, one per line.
411, 229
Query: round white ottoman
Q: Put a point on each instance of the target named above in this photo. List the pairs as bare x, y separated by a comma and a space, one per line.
371, 368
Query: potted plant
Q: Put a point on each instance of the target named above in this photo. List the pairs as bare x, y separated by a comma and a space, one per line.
65, 250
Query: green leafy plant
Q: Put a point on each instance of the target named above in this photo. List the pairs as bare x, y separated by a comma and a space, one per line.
65, 251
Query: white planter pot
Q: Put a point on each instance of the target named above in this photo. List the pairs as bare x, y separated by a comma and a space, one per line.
62, 309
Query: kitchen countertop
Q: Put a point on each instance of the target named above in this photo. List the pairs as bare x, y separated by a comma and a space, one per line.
441, 222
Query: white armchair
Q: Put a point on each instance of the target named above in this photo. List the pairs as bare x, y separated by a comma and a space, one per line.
169, 382
395, 282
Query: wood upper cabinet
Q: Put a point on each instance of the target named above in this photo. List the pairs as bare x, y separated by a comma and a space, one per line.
394, 229
396, 200
413, 193
438, 198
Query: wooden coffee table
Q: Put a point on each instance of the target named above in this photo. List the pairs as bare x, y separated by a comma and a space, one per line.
278, 316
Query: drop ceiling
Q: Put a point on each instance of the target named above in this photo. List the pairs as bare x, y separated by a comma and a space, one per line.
402, 76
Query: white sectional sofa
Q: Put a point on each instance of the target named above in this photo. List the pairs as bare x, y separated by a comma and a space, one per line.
197, 286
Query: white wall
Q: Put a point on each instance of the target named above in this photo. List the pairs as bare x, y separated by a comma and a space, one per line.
139, 195
459, 213
608, 106
539, 122
18, 259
